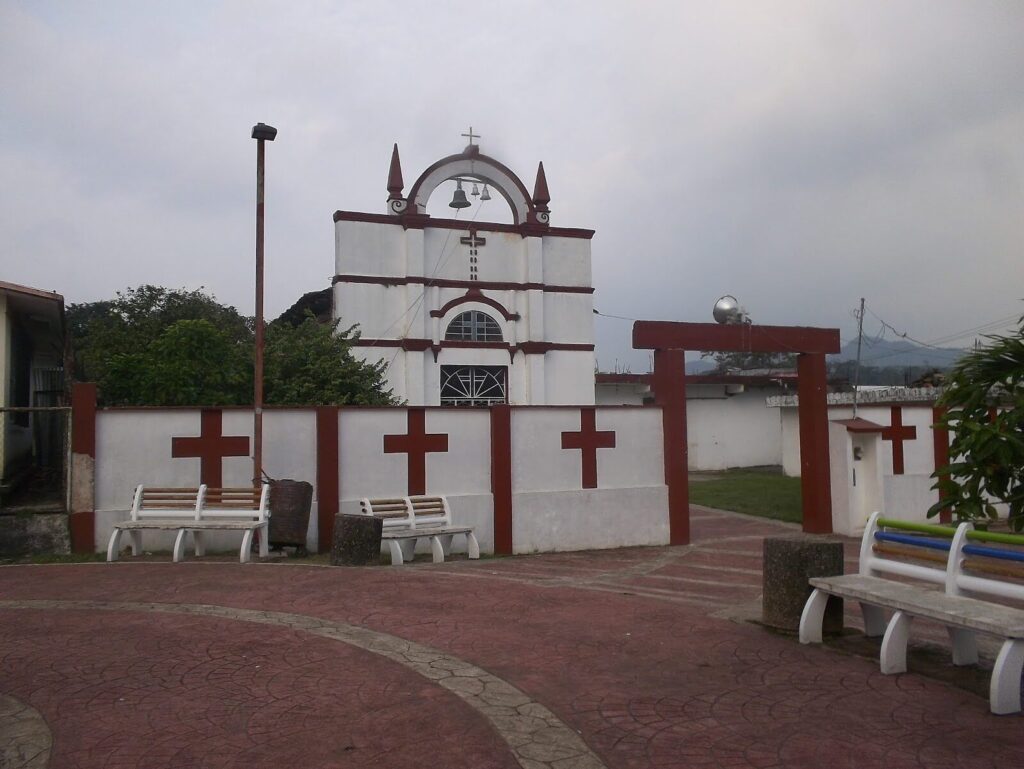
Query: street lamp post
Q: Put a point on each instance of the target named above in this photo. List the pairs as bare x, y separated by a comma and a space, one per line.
261, 133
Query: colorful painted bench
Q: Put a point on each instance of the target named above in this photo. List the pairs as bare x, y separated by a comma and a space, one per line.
972, 568
409, 519
196, 511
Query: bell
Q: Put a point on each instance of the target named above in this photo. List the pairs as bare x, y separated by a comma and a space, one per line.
486, 194
476, 191
459, 198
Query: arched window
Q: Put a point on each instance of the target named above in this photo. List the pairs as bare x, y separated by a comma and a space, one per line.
474, 326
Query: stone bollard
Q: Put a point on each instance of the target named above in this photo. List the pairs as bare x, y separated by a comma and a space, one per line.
788, 563
356, 540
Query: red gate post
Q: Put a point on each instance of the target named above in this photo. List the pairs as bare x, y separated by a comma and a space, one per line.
815, 481
669, 383
670, 339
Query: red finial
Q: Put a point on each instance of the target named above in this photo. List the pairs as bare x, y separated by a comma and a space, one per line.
395, 183
541, 197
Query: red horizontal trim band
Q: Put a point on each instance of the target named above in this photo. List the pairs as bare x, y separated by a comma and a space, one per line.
419, 221
474, 295
529, 348
387, 280
668, 335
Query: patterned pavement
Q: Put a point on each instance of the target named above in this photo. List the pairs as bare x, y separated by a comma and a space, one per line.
628, 658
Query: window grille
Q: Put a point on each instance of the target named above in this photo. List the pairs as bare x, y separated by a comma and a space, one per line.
473, 385
474, 326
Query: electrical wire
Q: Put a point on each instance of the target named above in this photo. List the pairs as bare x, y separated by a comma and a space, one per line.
935, 344
441, 263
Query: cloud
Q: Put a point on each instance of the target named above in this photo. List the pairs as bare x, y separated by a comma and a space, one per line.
799, 155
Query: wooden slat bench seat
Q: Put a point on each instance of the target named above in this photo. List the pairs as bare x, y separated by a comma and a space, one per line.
409, 519
195, 511
960, 596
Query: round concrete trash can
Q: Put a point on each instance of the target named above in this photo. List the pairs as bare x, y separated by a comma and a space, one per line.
789, 562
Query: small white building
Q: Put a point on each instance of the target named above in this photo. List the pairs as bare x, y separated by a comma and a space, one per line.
728, 421
469, 312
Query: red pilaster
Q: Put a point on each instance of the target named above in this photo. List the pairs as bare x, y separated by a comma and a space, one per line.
940, 449
501, 477
815, 483
328, 484
669, 383
82, 516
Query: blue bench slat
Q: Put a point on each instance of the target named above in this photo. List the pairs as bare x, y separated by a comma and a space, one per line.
906, 539
995, 552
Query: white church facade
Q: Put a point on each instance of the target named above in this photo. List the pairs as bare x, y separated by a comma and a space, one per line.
469, 312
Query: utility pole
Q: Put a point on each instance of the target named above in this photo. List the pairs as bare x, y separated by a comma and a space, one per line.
856, 370
261, 133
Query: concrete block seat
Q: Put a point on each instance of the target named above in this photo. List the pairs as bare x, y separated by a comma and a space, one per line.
409, 519
971, 571
195, 511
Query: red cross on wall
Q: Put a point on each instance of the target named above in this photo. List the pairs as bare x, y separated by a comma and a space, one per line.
897, 433
588, 440
211, 447
417, 444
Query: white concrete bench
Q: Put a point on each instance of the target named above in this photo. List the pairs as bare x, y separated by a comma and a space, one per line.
195, 511
408, 519
967, 577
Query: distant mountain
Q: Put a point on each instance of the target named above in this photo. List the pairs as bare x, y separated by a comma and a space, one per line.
901, 353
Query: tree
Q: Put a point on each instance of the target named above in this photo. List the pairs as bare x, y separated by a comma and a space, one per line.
726, 362
984, 411
163, 347
312, 364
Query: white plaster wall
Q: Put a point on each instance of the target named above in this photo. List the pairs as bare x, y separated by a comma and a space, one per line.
621, 394
463, 473
568, 318
379, 311
638, 458
566, 261
589, 519
289, 452
733, 431
918, 455
840, 463
500, 259
857, 488
134, 446
369, 248
365, 470
569, 377
466, 467
551, 511
908, 497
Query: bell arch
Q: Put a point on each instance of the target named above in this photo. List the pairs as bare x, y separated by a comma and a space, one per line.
474, 165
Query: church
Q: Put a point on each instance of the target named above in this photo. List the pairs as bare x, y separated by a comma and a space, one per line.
466, 312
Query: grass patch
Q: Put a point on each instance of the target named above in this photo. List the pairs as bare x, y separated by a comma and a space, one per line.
764, 492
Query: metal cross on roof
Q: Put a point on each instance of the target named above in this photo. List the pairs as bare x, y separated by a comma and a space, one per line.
471, 136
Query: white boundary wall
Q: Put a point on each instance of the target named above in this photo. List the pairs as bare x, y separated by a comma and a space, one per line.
550, 508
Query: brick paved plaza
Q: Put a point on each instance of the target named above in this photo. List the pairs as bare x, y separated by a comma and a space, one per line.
643, 657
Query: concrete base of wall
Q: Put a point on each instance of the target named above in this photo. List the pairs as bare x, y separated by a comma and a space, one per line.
34, 534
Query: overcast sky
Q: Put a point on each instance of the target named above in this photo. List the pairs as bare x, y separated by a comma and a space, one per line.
799, 155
